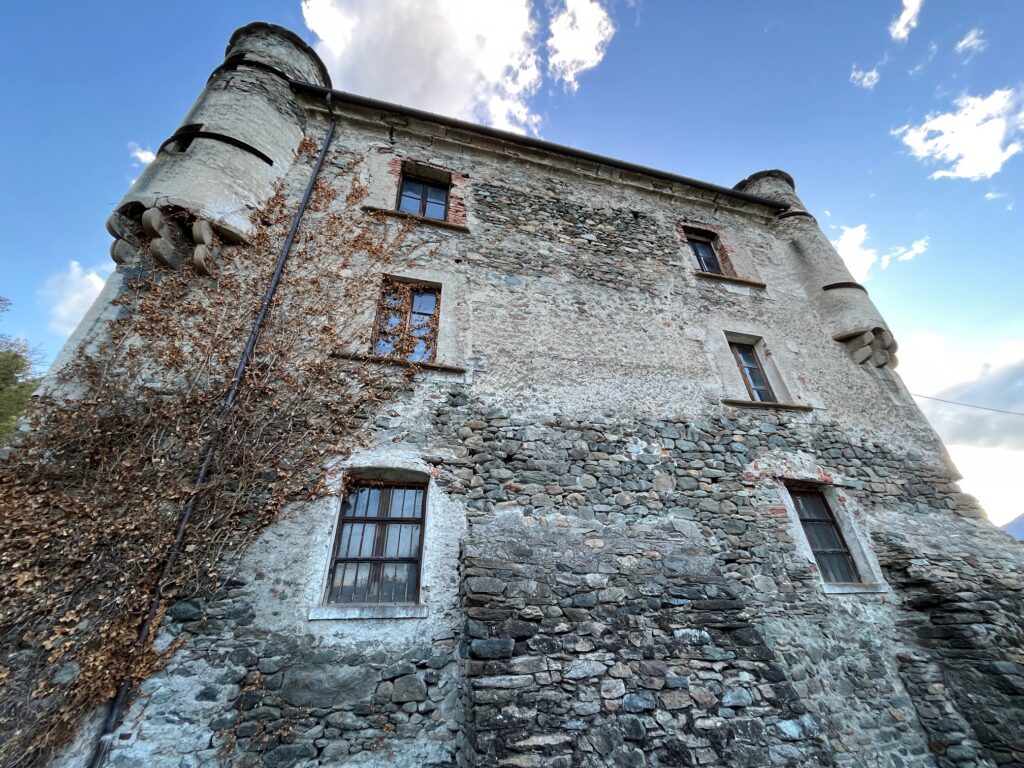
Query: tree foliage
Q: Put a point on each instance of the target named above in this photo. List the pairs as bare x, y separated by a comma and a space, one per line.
17, 366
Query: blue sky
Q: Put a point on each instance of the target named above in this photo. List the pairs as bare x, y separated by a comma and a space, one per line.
902, 122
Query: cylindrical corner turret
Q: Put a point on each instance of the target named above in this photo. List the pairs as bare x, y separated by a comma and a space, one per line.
850, 315
238, 139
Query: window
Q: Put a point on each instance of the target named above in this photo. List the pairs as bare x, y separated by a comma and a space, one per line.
407, 319
823, 534
752, 372
379, 544
705, 253
423, 198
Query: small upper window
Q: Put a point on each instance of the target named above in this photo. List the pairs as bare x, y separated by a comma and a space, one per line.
379, 544
423, 198
706, 254
407, 320
753, 373
826, 540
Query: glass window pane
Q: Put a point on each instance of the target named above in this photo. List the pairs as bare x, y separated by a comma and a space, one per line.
392, 321
361, 584
823, 535
412, 188
412, 503
409, 204
811, 506
756, 378
434, 211
747, 356
437, 195
395, 507
387, 582
402, 541
837, 568
421, 353
424, 302
764, 396
385, 345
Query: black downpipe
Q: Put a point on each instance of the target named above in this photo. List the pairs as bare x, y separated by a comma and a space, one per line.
113, 719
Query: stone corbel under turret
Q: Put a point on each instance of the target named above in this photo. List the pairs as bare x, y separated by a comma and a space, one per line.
869, 346
167, 238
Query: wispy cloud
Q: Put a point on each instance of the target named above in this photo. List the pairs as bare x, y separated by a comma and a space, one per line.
477, 61
971, 44
69, 294
974, 140
903, 253
142, 155
994, 195
859, 258
580, 32
919, 67
902, 26
865, 79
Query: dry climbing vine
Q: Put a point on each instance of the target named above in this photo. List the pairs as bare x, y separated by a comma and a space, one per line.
91, 496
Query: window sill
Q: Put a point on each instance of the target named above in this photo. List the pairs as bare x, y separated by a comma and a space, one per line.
730, 279
383, 360
367, 611
416, 218
871, 588
774, 406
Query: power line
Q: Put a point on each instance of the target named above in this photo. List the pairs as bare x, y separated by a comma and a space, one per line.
968, 405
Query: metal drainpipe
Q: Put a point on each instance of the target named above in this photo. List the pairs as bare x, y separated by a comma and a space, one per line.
113, 719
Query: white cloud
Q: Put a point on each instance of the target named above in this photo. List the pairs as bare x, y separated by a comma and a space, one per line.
972, 43
858, 258
987, 448
994, 195
471, 60
852, 247
932, 50
145, 156
868, 79
992, 475
902, 253
70, 293
580, 32
971, 139
906, 21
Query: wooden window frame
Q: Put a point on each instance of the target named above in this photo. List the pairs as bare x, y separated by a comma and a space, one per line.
797, 489
427, 183
695, 237
751, 390
406, 340
380, 537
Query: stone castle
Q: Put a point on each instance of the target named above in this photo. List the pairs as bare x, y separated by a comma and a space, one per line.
654, 495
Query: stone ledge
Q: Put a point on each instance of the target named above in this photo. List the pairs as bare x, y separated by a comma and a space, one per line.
414, 217
383, 360
774, 406
730, 279
869, 588
367, 611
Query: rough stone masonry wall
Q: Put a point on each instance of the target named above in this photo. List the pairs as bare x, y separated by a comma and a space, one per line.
631, 590
633, 600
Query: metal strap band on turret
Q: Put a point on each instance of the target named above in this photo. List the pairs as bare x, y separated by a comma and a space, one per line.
186, 134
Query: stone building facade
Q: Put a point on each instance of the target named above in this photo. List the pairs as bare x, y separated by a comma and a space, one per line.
643, 407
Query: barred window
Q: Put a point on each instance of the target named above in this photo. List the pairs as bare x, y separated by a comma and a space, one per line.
826, 540
407, 319
753, 373
379, 544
